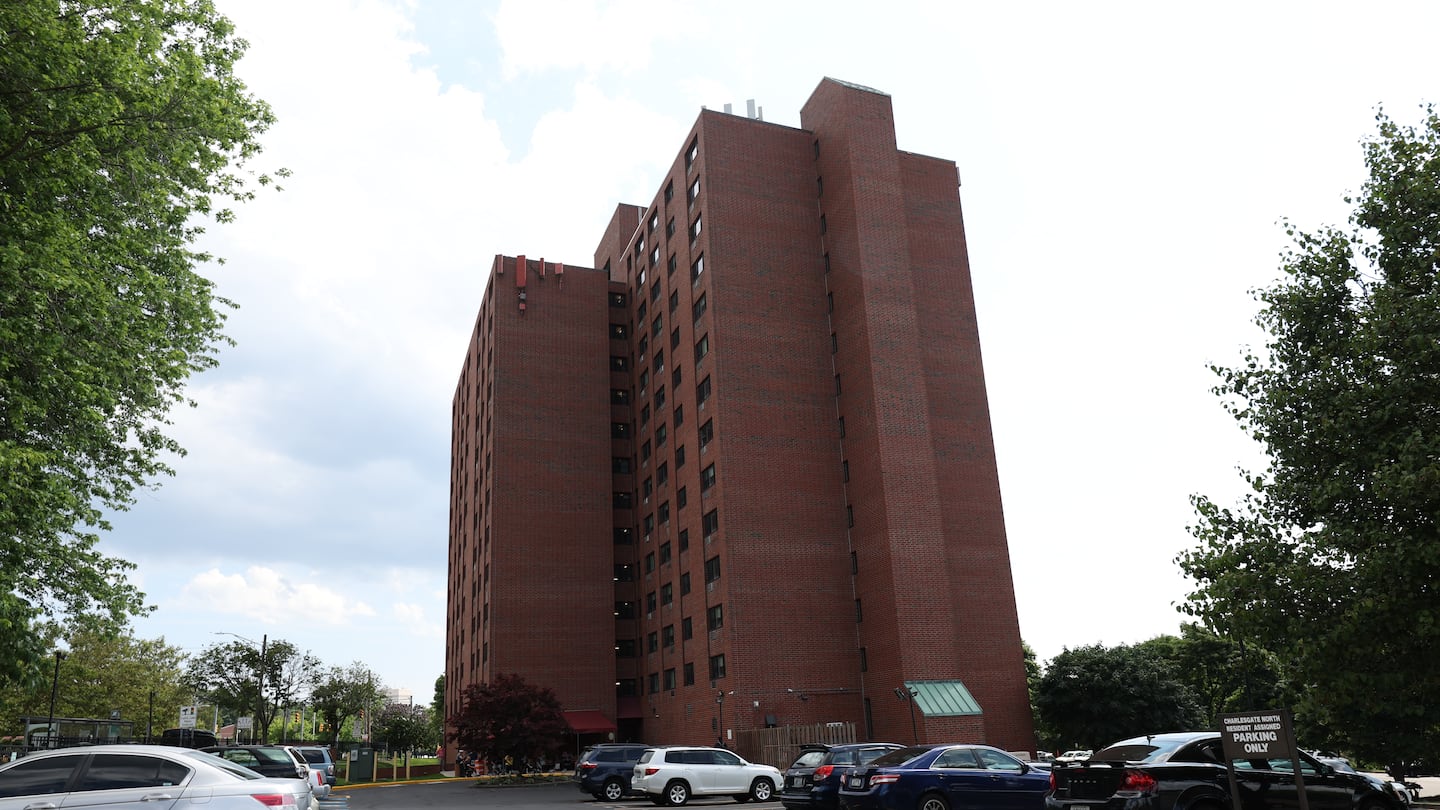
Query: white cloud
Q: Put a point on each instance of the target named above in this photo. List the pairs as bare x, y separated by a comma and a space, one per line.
265, 595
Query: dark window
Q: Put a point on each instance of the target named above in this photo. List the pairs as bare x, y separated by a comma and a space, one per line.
702, 348
679, 415
119, 771
654, 681
624, 573
675, 377
854, 563
689, 674
640, 313
655, 288
650, 600
39, 776
712, 569
830, 302
707, 432
845, 470
669, 232
692, 153
624, 500
617, 299
823, 226
659, 398
680, 457
657, 327
696, 309
643, 346
842, 427
649, 569
644, 381
619, 430
702, 391
659, 364
837, 385
645, 451
644, 416
693, 193
717, 667
674, 300
819, 191
681, 498
687, 630
660, 436
649, 524
654, 220
674, 336
864, 661
695, 228
669, 191
619, 396
850, 516
707, 478
625, 648
626, 687
827, 262
667, 594
619, 331
715, 617
664, 553
662, 474
834, 344
684, 539
670, 673
685, 583
697, 268
859, 612
652, 642
663, 513
624, 536
619, 362
624, 610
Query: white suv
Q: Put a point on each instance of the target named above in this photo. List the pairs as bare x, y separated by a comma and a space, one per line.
671, 775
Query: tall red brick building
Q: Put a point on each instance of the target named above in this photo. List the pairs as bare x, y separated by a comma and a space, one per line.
742, 473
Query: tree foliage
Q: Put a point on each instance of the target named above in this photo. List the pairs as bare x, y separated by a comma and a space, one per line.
121, 123
1093, 696
406, 728
509, 717
343, 693
229, 675
1332, 558
1225, 675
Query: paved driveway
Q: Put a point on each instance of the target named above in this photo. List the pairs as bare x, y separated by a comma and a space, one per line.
461, 794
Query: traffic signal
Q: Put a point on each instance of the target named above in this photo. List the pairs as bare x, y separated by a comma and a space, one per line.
297, 717
362, 714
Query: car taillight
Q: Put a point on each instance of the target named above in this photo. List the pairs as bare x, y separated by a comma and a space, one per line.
1137, 782
651, 771
320, 778
1052, 780
884, 778
274, 799
588, 766
823, 771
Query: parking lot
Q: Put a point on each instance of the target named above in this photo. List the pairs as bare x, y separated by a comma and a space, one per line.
455, 794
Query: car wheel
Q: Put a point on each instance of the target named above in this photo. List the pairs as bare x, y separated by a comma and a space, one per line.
762, 790
677, 793
611, 791
933, 801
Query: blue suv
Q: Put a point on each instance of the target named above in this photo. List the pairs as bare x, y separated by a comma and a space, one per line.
812, 782
604, 770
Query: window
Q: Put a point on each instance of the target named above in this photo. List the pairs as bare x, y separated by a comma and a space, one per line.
697, 268
624, 610
693, 193
681, 498
625, 648
702, 347
617, 299
624, 536
662, 474
845, 471
644, 381
650, 602
650, 569
620, 465
667, 635
715, 617
717, 667
659, 398
619, 331
674, 301
850, 516
670, 673
819, 191
669, 232
659, 362
654, 679
679, 415
649, 527
684, 539
687, 630
712, 569
707, 432
707, 478
837, 385
658, 325
670, 191
643, 346
647, 488
663, 513
675, 337
696, 310
680, 457
823, 226
675, 377
660, 436
692, 153
640, 313
827, 262
859, 612
645, 451
665, 552
685, 583
619, 362
830, 302
624, 573
640, 280
645, 418
619, 430
842, 427
619, 396
655, 288
654, 220
702, 391
623, 500
864, 661
695, 228
834, 344
689, 674
626, 687
667, 594
37, 776
854, 563
711, 522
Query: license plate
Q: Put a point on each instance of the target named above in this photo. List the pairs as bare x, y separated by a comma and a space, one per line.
797, 781
857, 782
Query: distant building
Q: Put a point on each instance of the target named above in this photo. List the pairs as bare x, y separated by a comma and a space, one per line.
394, 696
742, 474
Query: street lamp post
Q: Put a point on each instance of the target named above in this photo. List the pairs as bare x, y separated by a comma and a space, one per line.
50, 734
259, 683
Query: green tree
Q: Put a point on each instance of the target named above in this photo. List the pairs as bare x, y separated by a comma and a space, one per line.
405, 728
121, 125
1093, 696
229, 675
1226, 675
343, 693
1330, 560
437, 709
509, 717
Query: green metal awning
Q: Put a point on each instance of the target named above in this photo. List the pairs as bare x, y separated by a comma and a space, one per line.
943, 698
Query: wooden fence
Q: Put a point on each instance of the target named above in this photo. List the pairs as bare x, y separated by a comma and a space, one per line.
780, 746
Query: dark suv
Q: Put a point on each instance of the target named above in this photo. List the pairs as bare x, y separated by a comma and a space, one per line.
266, 760
604, 770
812, 782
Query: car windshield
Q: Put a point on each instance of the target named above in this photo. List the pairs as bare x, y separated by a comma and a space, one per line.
312, 755
1140, 750
902, 756
810, 759
225, 765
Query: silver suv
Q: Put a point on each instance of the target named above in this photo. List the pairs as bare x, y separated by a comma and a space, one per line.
671, 775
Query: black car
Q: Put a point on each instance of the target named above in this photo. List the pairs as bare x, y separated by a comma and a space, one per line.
1186, 771
266, 760
604, 770
812, 781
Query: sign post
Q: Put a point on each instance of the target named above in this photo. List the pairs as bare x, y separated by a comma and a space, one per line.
1265, 734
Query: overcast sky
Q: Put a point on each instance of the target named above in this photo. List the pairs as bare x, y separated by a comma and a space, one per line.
1124, 169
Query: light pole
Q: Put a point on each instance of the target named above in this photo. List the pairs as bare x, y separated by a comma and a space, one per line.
907, 694
259, 682
50, 735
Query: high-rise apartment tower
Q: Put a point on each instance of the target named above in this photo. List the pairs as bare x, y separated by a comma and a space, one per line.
742, 474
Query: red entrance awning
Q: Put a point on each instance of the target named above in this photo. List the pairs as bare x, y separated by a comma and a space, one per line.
588, 721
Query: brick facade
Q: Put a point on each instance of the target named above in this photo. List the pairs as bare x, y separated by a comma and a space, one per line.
772, 422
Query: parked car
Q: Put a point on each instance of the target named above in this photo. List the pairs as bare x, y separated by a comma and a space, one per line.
671, 775
1079, 755
939, 777
1186, 771
812, 782
1400, 790
188, 737
266, 760
319, 759
604, 770
141, 776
